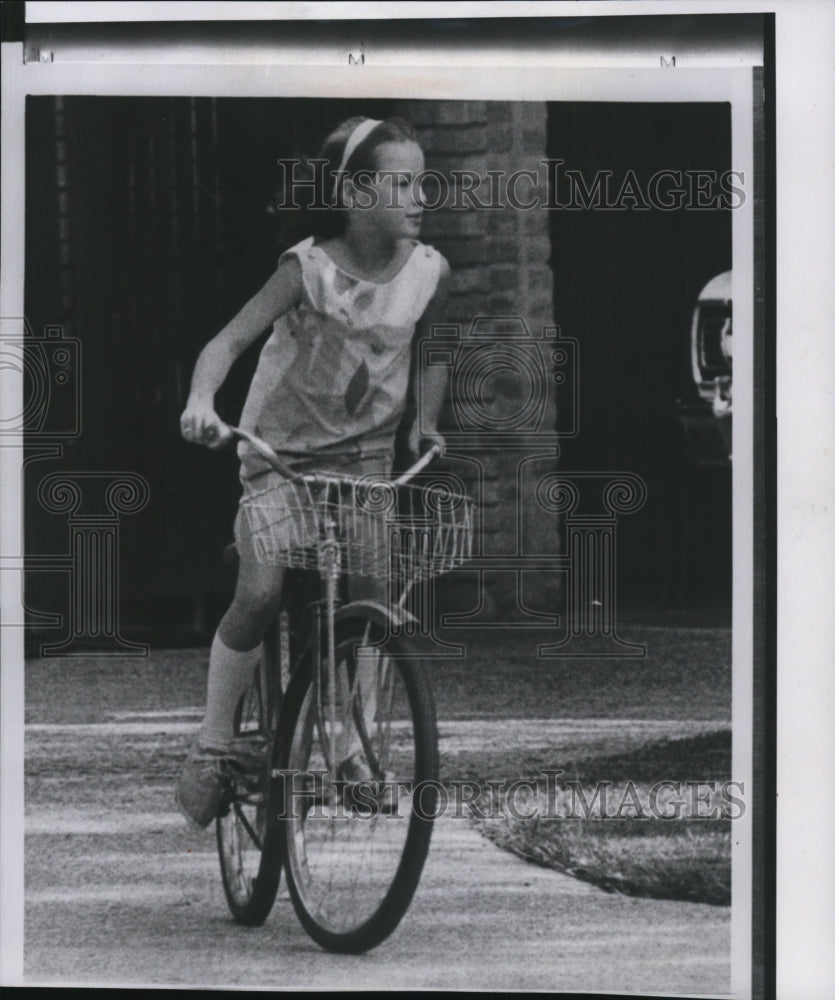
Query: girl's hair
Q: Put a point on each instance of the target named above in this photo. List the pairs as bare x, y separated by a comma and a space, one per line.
331, 222
364, 156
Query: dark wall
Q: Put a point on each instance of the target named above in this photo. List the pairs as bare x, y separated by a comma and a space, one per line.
625, 283
147, 228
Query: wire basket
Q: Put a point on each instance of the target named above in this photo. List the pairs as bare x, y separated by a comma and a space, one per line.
413, 531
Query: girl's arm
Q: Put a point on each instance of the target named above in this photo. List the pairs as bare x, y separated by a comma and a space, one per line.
199, 422
433, 378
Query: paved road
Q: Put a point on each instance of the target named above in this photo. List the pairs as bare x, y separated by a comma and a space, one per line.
119, 892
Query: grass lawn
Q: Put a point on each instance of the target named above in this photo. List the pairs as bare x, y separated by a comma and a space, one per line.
619, 841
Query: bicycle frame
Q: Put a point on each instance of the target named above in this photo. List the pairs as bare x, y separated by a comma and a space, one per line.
389, 616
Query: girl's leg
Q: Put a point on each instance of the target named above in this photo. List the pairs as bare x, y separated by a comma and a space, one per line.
232, 662
371, 587
236, 648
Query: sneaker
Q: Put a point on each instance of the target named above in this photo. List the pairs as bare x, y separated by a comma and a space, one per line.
208, 777
355, 771
200, 787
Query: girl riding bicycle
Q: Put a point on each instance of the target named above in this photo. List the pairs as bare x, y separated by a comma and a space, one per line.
330, 388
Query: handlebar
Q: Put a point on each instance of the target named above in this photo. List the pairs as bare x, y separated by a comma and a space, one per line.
421, 463
268, 453
265, 451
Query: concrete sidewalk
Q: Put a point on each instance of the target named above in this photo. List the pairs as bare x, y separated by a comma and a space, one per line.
119, 892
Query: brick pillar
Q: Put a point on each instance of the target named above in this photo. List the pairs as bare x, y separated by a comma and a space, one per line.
501, 281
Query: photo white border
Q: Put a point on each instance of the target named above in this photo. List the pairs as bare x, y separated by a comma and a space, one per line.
805, 356
805, 364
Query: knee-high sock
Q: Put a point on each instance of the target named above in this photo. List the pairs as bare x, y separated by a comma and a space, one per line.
230, 674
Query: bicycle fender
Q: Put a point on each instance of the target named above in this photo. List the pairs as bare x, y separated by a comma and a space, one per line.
381, 614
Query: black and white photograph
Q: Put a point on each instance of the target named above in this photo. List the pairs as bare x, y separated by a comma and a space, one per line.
388, 468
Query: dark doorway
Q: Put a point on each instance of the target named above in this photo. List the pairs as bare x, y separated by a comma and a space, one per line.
625, 284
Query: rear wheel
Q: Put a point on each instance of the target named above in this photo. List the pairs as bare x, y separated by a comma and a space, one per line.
358, 788
250, 857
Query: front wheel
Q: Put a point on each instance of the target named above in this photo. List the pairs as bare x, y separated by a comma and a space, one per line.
358, 781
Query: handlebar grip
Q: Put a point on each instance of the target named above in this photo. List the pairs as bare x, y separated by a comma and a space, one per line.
265, 451
421, 463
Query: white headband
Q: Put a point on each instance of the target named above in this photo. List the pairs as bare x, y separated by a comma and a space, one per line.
360, 133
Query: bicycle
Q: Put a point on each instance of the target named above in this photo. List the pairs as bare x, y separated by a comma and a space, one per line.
351, 840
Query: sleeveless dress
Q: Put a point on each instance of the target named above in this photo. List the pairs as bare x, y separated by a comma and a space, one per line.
328, 394
331, 383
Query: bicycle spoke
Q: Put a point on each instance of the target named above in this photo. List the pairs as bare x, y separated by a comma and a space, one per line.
384, 713
253, 836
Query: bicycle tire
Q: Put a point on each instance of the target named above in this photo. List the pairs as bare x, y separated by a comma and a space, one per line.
352, 873
247, 839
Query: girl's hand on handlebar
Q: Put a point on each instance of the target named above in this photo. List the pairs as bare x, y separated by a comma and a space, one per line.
434, 446
201, 425
421, 441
